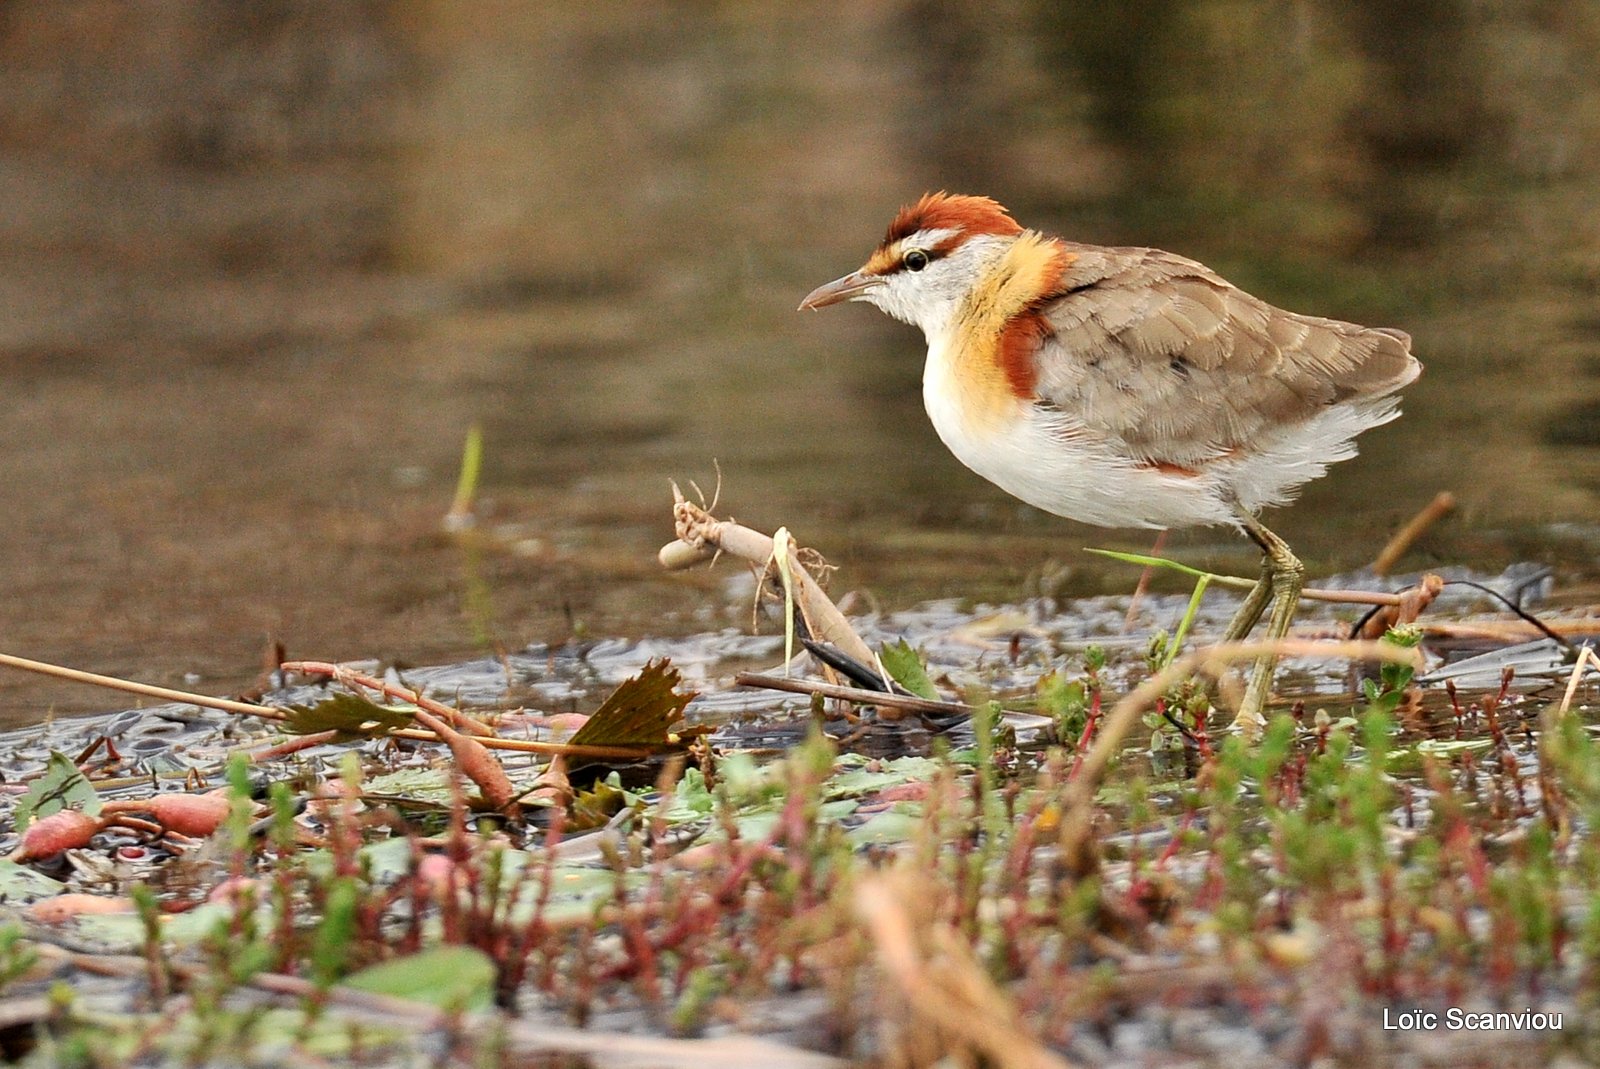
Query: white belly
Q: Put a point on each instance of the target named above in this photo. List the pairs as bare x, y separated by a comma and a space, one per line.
1040, 457
1031, 461
1045, 459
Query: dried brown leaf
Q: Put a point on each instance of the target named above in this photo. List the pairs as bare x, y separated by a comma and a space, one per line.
639, 712
349, 714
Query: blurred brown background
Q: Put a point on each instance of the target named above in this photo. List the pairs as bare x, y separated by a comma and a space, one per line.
262, 265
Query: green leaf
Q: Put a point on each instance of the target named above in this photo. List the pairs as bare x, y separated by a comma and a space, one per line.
905, 666
19, 884
780, 557
1066, 701
856, 778
594, 808
1189, 614
448, 977
889, 826
347, 714
61, 787
471, 466
639, 712
1146, 561
1445, 747
431, 787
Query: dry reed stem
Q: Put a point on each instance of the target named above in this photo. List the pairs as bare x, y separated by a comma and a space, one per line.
227, 705
953, 1001
701, 537
1443, 503
1416, 600
1511, 630
273, 712
1349, 597
1586, 655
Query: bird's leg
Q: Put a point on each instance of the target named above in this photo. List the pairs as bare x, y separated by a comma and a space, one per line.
1283, 575
1250, 610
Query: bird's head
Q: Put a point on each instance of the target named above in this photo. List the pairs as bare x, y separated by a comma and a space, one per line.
931, 258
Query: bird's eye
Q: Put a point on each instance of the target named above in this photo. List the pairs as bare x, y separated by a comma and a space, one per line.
916, 260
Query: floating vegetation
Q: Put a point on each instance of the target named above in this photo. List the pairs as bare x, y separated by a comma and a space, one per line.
1031, 844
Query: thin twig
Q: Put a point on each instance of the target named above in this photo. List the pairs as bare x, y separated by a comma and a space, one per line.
227, 705
852, 694
1586, 655
273, 712
1443, 503
1339, 597
349, 676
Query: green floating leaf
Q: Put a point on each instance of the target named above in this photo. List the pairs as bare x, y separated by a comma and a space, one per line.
448, 977
347, 714
889, 826
19, 884
639, 712
595, 808
61, 787
429, 787
854, 778
905, 665
1444, 747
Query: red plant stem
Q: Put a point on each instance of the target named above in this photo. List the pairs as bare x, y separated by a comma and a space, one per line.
484, 735
1089, 724
1202, 738
349, 676
1177, 840
291, 746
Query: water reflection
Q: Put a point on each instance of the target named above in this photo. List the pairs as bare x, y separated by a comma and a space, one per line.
262, 266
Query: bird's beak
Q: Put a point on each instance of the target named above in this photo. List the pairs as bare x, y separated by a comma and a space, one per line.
847, 288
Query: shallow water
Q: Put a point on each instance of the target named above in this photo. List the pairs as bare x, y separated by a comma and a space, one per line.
261, 271
991, 651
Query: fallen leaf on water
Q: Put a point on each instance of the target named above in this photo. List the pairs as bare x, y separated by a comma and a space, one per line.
347, 713
905, 665
639, 711
61, 787
449, 977
595, 807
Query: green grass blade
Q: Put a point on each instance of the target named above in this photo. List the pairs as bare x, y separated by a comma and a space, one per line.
471, 465
1147, 561
1188, 617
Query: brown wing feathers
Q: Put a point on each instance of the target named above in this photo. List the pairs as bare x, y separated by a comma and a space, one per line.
1159, 351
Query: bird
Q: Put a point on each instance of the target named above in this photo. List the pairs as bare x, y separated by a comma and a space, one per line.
1128, 387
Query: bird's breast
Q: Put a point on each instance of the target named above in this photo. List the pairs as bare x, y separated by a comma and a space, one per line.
1047, 459
965, 390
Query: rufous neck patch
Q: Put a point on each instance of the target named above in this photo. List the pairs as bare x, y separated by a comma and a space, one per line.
1000, 327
